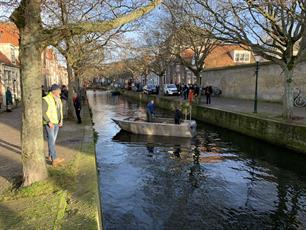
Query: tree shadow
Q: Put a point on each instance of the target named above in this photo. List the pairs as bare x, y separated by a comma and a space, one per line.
11, 147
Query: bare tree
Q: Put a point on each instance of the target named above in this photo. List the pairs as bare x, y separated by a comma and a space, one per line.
158, 49
190, 43
34, 37
270, 29
190, 39
77, 49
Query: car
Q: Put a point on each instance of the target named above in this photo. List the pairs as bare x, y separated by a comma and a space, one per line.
170, 89
149, 89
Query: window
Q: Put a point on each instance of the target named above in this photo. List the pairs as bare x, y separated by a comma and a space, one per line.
242, 56
236, 57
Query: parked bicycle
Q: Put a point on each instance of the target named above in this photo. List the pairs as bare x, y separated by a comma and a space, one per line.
299, 99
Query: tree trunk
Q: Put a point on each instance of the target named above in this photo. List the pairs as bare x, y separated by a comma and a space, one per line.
71, 85
161, 85
198, 76
33, 158
288, 95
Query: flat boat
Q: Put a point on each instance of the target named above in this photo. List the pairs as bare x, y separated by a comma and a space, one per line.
159, 127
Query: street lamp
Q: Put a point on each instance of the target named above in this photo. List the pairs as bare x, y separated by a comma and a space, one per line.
257, 58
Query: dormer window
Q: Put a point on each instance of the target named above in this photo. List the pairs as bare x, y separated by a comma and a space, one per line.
242, 56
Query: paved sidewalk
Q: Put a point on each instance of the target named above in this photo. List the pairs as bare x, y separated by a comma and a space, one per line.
247, 106
69, 198
70, 137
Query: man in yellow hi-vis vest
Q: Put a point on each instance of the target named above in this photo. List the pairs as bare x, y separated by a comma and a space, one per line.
53, 120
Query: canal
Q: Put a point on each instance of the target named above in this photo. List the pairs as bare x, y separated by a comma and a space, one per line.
218, 180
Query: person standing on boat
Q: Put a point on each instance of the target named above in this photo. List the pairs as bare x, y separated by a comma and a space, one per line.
177, 116
150, 111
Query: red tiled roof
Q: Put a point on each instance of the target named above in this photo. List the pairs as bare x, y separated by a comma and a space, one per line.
4, 59
9, 33
219, 57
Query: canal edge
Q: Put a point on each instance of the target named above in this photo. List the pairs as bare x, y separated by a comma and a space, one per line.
288, 135
94, 136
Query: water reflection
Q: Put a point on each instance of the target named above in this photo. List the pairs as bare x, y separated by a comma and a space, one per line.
218, 180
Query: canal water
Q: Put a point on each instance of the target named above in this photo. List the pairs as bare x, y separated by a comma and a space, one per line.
218, 180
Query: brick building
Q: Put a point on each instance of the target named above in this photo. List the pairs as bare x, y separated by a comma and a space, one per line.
222, 56
52, 71
9, 64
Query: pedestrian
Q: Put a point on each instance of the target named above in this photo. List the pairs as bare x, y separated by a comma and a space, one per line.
157, 89
64, 98
190, 96
196, 90
208, 91
9, 99
77, 107
185, 92
53, 120
64, 93
177, 116
150, 111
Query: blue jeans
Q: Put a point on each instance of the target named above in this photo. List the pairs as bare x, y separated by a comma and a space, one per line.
51, 136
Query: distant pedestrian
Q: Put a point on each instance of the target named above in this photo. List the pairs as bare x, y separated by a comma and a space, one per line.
77, 107
190, 96
64, 93
157, 89
177, 116
53, 120
9, 99
208, 92
150, 111
196, 90
185, 92
64, 98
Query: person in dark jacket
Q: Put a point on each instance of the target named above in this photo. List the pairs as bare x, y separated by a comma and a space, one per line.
177, 116
64, 93
208, 92
64, 98
185, 92
196, 91
150, 111
77, 107
9, 99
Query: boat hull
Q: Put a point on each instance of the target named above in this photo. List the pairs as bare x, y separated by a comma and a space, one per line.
185, 129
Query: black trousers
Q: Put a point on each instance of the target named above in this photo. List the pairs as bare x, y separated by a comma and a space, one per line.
78, 114
208, 99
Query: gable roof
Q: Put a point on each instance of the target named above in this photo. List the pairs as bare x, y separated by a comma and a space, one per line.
220, 56
9, 33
